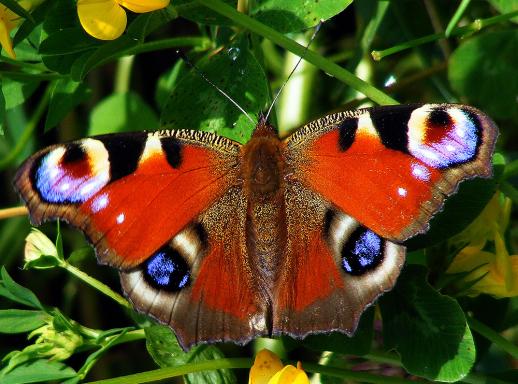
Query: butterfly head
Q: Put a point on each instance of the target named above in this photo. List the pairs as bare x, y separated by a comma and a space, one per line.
264, 128
263, 161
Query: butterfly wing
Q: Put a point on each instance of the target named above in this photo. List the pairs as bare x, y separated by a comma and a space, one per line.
129, 193
391, 167
359, 183
201, 283
333, 268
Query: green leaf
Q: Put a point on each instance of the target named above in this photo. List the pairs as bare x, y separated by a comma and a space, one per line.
195, 104
92, 59
60, 24
458, 212
21, 320
15, 292
42, 262
122, 112
427, 329
67, 41
146, 23
483, 69
166, 352
16, 8
191, 10
506, 6
28, 26
16, 92
37, 371
65, 95
168, 81
283, 15
291, 16
359, 344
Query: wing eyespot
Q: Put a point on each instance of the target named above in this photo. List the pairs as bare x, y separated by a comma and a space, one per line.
167, 269
363, 251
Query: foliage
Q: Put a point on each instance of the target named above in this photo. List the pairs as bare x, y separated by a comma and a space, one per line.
61, 83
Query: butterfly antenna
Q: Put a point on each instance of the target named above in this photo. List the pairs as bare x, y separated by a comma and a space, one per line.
317, 28
202, 75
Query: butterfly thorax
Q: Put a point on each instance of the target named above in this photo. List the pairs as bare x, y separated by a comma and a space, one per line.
262, 172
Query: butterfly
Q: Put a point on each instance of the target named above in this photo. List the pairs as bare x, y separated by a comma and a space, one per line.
228, 242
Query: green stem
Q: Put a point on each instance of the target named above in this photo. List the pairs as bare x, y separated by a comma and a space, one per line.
456, 17
29, 129
295, 99
101, 287
173, 42
324, 64
509, 191
123, 74
166, 373
14, 75
384, 358
347, 375
137, 334
493, 336
477, 25
510, 170
22, 64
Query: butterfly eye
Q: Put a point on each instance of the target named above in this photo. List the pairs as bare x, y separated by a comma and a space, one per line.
362, 252
167, 269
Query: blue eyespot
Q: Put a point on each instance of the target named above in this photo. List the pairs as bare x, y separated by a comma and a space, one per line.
362, 252
167, 269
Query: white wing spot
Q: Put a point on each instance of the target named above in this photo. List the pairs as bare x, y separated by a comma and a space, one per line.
120, 218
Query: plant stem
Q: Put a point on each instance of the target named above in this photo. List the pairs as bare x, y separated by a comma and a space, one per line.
384, 358
7, 213
324, 64
166, 373
477, 25
123, 74
348, 375
14, 75
158, 45
29, 129
493, 336
509, 191
456, 17
101, 287
511, 170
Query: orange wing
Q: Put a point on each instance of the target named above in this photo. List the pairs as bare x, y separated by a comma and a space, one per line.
391, 167
333, 268
130, 193
201, 283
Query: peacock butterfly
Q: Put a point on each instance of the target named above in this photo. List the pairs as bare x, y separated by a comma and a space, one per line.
227, 242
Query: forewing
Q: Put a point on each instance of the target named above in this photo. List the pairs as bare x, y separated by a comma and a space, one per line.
391, 167
129, 193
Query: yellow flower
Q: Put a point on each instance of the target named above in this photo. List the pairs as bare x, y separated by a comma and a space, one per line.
106, 19
494, 273
494, 217
268, 369
10, 20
